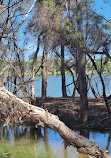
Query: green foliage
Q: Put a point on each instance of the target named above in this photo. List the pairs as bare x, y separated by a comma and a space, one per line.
104, 67
54, 67
20, 8
69, 27
2, 64
51, 14
107, 26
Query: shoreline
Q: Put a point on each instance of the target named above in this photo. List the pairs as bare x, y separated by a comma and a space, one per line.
68, 111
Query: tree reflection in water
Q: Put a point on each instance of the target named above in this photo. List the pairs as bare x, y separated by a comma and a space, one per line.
40, 142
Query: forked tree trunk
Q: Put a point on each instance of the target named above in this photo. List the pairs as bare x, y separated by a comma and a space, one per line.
13, 108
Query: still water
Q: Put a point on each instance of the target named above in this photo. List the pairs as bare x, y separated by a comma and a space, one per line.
54, 88
31, 142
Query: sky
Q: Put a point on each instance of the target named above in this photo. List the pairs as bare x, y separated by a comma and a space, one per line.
103, 8
99, 6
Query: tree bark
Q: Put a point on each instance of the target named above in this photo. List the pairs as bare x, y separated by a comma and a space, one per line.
33, 70
81, 59
64, 94
12, 107
83, 86
44, 68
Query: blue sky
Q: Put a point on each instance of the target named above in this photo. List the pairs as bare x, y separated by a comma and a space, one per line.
99, 6
103, 8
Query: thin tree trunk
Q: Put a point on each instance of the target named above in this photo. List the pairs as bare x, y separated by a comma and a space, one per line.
91, 85
74, 82
33, 70
21, 65
102, 81
44, 75
15, 84
64, 94
44, 68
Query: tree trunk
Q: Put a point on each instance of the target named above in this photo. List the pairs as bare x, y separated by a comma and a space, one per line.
33, 70
44, 68
82, 65
13, 108
83, 86
64, 94
32, 85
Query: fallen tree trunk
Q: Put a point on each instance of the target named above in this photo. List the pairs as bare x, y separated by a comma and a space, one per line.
13, 109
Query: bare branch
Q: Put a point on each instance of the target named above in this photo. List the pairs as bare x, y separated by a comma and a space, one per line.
6, 67
27, 14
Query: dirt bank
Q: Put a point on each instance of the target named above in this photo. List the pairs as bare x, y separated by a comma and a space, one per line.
68, 110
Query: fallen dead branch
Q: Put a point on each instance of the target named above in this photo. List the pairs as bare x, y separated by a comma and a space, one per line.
16, 110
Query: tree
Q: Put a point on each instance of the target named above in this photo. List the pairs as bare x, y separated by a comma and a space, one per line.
82, 67
13, 15
87, 35
45, 19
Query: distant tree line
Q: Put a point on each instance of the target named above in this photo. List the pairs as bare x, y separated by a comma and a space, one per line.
103, 64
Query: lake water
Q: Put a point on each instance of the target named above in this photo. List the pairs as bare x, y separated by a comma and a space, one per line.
28, 142
54, 88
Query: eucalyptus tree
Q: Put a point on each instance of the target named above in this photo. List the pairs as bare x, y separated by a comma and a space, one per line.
45, 20
12, 16
75, 25
87, 32
91, 35
7, 34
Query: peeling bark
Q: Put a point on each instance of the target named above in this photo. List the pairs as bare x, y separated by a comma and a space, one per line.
41, 117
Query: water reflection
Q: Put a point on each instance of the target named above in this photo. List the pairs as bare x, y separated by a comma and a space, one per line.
33, 142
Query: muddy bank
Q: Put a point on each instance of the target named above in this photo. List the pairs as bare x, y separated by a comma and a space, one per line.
68, 110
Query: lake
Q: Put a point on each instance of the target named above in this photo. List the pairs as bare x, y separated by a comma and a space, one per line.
54, 88
31, 142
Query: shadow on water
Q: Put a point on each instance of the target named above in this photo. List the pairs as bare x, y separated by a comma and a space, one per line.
30, 142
